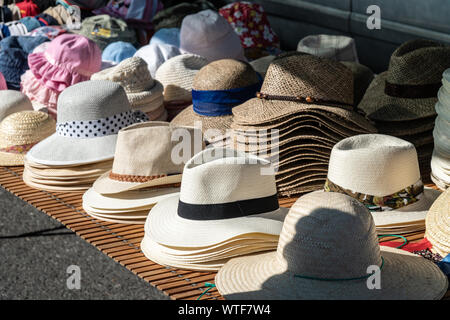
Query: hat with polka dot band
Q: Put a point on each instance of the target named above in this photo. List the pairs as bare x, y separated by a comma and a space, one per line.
90, 114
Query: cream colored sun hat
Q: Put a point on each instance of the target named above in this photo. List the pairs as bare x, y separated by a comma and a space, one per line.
144, 157
224, 193
382, 172
327, 243
438, 225
13, 101
19, 132
143, 92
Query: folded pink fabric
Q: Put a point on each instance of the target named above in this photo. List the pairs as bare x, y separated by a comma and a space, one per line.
3, 85
68, 59
39, 95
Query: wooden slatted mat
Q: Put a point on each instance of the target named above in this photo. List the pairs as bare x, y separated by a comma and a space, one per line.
119, 241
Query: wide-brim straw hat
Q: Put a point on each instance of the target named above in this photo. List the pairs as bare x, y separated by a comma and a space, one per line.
90, 114
325, 248
218, 76
438, 224
407, 91
19, 132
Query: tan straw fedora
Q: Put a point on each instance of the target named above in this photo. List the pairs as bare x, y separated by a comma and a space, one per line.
438, 225
328, 249
19, 132
218, 87
382, 172
144, 158
408, 89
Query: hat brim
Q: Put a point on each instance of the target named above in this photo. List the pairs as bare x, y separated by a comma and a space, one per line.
135, 199
438, 223
105, 185
8, 159
380, 107
59, 150
168, 228
404, 276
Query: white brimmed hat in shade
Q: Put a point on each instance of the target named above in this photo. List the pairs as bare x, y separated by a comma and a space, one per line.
209, 35
224, 193
144, 93
90, 114
155, 54
327, 244
13, 101
19, 132
338, 48
382, 172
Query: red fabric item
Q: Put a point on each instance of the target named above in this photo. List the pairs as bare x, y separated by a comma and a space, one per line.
416, 246
28, 8
250, 22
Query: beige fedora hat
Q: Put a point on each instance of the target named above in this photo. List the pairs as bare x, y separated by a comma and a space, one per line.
438, 224
334, 47
382, 172
408, 89
13, 101
327, 244
217, 89
19, 132
144, 93
144, 158
224, 194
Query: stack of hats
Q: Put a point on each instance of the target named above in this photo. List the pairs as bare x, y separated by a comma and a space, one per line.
155, 54
438, 225
83, 146
14, 57
227, 207
329, 249
250, 22
13, 101
383, 173
338, 48
143, 173
440, 160
118, 51
177, 77
218, 87
305, 106
402, 100
67, 60
209, 35
143, 92
19, 132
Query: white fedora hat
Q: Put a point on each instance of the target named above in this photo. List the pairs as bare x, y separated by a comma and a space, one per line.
327, 244
13, 101
90, 114
224, 193
143, 158
335, 47
382, 172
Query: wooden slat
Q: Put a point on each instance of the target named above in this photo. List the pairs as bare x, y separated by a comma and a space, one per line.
121, 242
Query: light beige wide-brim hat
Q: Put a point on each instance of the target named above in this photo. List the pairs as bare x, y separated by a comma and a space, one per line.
438, 225
19, 132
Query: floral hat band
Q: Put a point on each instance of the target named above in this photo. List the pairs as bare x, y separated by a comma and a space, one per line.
18, 149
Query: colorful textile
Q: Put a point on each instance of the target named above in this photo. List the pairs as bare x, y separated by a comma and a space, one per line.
19, 149
28, 8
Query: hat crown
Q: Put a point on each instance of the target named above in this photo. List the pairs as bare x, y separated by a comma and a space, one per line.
328, 235
13, 101
235, 175
298, 74
225, 74
374, 164
418, 62
25, 127
134, 143
132, 74
92, 100
204, 28
327, 46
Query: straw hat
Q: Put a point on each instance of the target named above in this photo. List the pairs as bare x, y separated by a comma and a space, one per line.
407, 91
143, 92
224, 193
438, 225
338, 48
327, 243
19, 132
90, 114
135, 167
218, 87
13, 101
362, 78
382, 172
